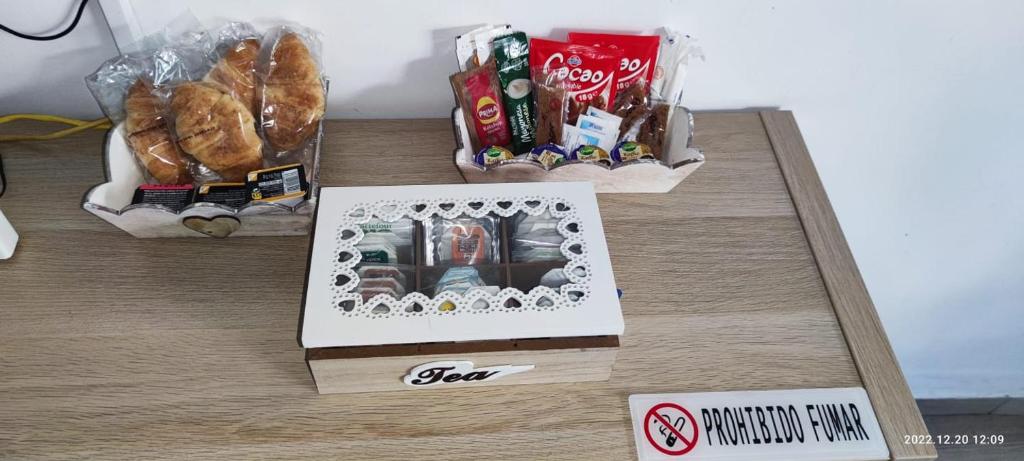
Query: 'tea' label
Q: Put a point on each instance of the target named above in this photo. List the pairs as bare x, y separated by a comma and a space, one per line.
458, 371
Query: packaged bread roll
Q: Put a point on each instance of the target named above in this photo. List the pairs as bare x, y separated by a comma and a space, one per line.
293, 93
149, 137
217, 129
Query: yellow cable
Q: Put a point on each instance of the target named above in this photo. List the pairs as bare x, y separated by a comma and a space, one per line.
76, 126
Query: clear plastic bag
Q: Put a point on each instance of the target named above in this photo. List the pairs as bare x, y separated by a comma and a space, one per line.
463, 280
551, 106
462, 241
150, 138
592, 78
214, 128
474, 47
631, 104
535, 238
667, 91
376, 279
387, 242
293, 96
673, 61
237, 50
124, 88
650, 127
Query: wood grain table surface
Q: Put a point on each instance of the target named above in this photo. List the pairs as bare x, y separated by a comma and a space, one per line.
113, 347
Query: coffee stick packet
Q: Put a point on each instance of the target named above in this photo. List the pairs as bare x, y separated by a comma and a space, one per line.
479, 94
511, 53
474, 47
673, 61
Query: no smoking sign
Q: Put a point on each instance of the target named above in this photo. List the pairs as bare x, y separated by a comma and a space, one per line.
671, 429
780, 425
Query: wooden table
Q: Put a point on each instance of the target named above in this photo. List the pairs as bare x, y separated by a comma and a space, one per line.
118, 348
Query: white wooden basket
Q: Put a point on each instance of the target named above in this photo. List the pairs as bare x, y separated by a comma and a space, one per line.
680, 160
111, 201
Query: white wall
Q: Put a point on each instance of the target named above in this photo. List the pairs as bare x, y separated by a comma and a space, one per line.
46, 77
912, 111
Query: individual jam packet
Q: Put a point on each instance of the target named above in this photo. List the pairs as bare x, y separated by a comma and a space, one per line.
232, 194
592, 154
586, 72
478, 92
493, 154
511, 54
284, 184
629, 150
175, 197
548, 155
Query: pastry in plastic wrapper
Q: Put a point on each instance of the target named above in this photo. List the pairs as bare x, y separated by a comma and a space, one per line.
552, 107
124, 88
293, 93
216, 129
150, 138
236, 71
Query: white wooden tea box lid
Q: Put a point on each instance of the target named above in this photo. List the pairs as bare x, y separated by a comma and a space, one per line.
586, 306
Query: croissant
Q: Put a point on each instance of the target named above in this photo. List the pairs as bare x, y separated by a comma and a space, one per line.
149, 137
236, 71
293, 95
217, 130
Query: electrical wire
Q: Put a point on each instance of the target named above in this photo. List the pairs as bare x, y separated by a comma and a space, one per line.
71, 27
3, 178
76, 126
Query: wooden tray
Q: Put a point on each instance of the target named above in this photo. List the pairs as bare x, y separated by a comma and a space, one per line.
638, 176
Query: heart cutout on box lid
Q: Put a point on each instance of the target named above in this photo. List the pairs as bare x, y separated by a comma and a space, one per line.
217, 226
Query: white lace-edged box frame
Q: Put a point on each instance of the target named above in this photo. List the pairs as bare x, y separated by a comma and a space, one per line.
654, 176
111, 201
567, 334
